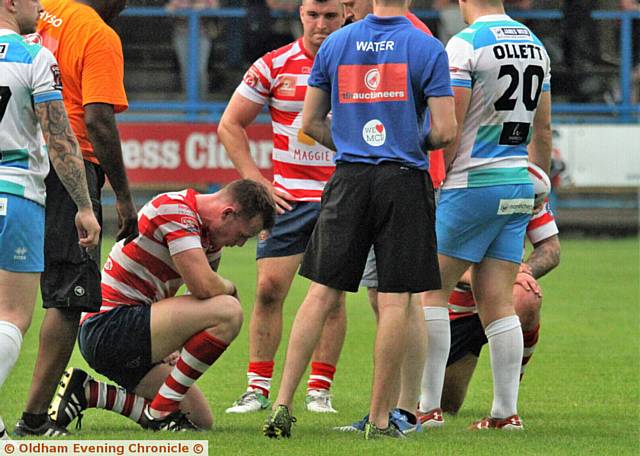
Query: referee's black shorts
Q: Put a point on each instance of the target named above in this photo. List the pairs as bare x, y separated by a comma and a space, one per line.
388, 205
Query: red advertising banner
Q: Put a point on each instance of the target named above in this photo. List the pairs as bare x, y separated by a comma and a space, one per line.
180, 153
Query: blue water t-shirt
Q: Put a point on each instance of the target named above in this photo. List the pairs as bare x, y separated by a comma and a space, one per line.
380, 72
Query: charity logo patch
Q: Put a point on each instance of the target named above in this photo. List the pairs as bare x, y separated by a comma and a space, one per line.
374, 133
372, 83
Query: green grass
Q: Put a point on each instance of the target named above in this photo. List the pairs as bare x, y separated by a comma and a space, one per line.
580, 395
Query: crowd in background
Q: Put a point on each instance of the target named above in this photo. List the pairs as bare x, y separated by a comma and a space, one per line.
584, 51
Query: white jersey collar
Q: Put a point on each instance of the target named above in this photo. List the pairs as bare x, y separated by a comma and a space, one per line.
493, 18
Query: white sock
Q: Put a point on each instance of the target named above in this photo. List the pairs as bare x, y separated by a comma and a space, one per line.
10, 343
506, 346
438, 342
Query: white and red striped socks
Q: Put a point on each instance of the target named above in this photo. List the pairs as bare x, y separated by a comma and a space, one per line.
109, 397
530, 341
321, 376
259, 376
198, 354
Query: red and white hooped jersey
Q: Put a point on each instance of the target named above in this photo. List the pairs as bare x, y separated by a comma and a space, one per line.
301, 166
142, 272
542, 226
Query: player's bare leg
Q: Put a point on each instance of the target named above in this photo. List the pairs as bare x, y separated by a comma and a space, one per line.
492, 282
18, 293
275, 276
201, 330
305, 334
456, 383
413, 364
390, 346
265, 329
58, 334
325, 359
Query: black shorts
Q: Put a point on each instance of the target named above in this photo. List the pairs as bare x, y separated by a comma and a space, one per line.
389, 206
467, 337
71, 277
117, 344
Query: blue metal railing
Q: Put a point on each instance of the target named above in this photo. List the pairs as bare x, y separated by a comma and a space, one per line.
194, 109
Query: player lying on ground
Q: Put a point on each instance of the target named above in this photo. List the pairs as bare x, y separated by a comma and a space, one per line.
134, 338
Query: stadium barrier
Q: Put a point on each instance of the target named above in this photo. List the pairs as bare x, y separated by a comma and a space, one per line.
193, 108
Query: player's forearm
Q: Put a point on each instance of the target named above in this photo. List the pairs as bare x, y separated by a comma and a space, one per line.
105, 139
320, 130
544, 257
64, 151
236, 142
541, 140
540, 148
208, 286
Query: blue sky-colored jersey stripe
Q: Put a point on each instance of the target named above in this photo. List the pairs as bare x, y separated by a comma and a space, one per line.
461, 83
19, 50
47, 96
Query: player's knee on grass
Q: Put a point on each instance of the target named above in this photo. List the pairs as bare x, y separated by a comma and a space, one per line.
196, 405
456, 383
527, 305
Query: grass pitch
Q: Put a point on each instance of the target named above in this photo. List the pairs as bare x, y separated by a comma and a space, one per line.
580, 394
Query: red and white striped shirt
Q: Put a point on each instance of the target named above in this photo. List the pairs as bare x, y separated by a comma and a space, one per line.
142, 272
301, 166
542, 226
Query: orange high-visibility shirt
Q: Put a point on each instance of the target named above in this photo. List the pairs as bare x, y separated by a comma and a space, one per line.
89, 54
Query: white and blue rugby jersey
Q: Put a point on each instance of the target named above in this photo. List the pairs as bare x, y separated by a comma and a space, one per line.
507, 68
28, 74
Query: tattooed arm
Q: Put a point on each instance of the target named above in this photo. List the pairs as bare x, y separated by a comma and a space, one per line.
66, 158
64, 151
544, 257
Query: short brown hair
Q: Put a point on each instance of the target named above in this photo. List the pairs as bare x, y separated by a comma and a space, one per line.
253, 199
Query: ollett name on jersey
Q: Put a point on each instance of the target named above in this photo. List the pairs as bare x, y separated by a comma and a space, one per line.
517, 51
